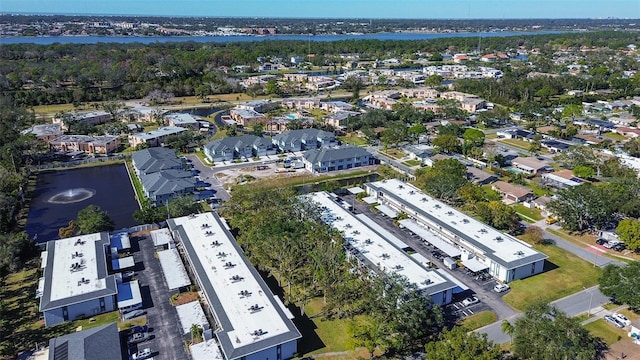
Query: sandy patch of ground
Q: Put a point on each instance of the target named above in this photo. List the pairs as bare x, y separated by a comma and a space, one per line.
623, 349
241, 174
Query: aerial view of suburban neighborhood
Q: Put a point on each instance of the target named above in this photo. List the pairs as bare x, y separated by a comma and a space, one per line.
319, 180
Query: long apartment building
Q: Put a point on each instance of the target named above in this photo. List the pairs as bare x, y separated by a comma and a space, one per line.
381, 251
249, 321
479, 246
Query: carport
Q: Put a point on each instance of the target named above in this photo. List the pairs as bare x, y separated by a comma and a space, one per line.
474, 265
431, 238
120, 264
174, 272
387, 211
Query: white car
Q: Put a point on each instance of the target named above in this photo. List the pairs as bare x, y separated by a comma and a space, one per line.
141, 354
501, 288
623, 319
470, 301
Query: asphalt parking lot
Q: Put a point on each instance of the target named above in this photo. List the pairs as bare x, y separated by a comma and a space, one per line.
166, 342
481, 288
207, 175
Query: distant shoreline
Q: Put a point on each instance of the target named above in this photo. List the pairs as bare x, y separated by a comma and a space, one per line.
93, 39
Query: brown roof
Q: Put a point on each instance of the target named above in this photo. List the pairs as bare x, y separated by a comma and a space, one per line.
511, 189
545, 129
530, 162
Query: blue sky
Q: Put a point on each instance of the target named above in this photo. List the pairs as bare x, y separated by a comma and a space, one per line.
427, 9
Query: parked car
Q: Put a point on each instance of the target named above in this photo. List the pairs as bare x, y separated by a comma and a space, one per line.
613, 321
470, 301
619, 246
141, 354
138, 337
623, 319
501, 288
611, 244
138, 329
601, 241
133, 314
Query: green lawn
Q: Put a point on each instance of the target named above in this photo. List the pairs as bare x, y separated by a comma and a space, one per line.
353, 140
564, 274
532, 213
479, 320
520, 144
606, 331
614, 136
412, 162
333, 333
394, 153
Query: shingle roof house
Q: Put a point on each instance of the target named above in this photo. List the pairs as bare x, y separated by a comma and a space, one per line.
234, 147
162, 186
152, 160
304, 139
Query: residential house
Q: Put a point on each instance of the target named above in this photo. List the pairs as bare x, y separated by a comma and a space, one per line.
529, 165
155, 137
480, 177
335, 106
245, 146
419, 151
44, 132
627, 131
326, 160
304, 139
186, 121
561, 179
634, 331
555, 146
541, 203
339, 120
301, 103
512, 192
153, 160
105, 144
260, 106
472, 105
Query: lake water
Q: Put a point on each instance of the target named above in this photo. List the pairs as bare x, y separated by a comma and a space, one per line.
47, 40
61, 194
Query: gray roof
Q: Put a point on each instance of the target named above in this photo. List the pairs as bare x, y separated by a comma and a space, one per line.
168, 182
44, 129
324, 155
237, 142
100, 140
155, 159
304, 134
163, 131
225, 324
99, 343
101, 263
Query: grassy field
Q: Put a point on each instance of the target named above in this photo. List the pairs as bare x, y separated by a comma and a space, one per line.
333, 333
394, 153
412, 162
607, 332
528, 212
614, 136
479, 320
353, 140
564, 274
520, 144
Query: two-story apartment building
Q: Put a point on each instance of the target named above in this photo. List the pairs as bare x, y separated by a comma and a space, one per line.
235, 147
328, 159
304, 139
105, 144
155, 137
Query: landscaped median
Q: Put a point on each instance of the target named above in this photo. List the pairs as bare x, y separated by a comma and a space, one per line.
478, 320
564, 274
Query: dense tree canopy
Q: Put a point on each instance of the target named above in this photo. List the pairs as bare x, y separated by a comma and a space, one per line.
622, 282
460, 344
629, 231
93, 219
546, 333
443, 179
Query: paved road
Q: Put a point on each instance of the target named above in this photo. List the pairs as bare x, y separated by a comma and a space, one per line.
586, 300
374, 150
207, 175
162, 317
591, 256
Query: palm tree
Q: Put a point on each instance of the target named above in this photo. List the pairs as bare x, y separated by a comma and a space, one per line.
508, 329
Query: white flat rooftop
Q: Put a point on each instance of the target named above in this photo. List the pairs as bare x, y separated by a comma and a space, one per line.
123, 263
356, 190
244, 307
191, 314
129, 294
480, 238
206, 350
161, 237
433, 239
174, 272
387, 211
370, 200
377, 250
76, 270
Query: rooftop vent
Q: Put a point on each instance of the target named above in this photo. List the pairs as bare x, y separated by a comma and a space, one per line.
215, 243
385, 256
255, 308
229, 265
498, 238
258, 332
76, 254
483, 230
400, 186
412, 192
236, 278
244, 293
466, 221
204, 226
450, 213
437, 206
518, 253
221, 254
424, 199
427, 282
79, 242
